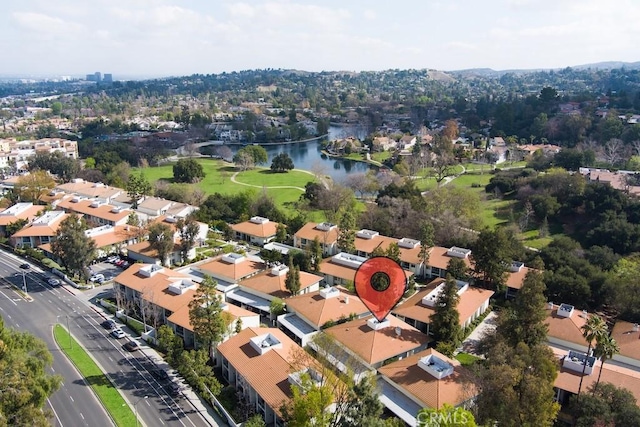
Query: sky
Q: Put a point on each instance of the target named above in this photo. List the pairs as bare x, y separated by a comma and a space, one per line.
155, 38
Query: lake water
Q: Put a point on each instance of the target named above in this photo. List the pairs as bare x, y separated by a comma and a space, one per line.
308, 156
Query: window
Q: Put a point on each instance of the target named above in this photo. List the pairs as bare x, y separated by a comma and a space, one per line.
44, 239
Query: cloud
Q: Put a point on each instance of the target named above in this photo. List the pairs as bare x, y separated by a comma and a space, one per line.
462, 45
41, 23
369, 15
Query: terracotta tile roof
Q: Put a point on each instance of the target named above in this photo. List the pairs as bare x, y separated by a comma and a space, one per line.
267, 229
454, 389
90, 189
376, 346
234, 272
104, 211
318, 310
309, 232
516, 279
329, 268
438, 258
369, 245
268, 373
621, 377
566, 328
132, 278
29, 214
41, 230
274, 285
155, 203
627, 339
470, 301
144, 248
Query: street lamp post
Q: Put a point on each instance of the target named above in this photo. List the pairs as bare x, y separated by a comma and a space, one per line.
135, 408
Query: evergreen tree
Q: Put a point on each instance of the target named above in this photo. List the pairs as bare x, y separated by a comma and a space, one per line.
524, 320
161, 239
447, 416
458, 269
281, 233
74, 248
445, 321
363, 407
347, 235
292, 281
606, 348
315, 251
137, 186
188, 229
492, 254
205, 315
393, 252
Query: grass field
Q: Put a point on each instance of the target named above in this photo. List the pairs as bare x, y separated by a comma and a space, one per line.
466, 359
110, 397
264, 177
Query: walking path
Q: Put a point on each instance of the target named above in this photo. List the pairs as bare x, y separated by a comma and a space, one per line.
469, 345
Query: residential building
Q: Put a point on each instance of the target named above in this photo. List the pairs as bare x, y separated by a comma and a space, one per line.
515, 279
17, 152
41, 230
326, 232
418, 309
166, 295
427, 379
155, 207
309, 312
19, 211
270, 284
230, 268
627, 336
565, 323
258, 230
95, 211
439, 258
261, 363
373, 343
108, 240
90, 190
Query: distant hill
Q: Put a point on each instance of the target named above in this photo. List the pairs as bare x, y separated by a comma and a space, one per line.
489, 72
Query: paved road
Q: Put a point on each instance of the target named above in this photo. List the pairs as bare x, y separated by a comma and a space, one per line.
73, 404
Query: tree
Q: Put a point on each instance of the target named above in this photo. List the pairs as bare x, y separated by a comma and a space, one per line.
593, 330
164, 337
443, 167
26, 384
516, 386
458, 269
205, 315
15, 226
606, 348
445, 320
393, 252
243, 160
347, 234
255, 421
609, 405
75, 249
276, 307
447, 416
65, 168
282, 163
315, 250
161, 239
281, 233
524, 321
309, 404
194, 366
188, 170
189, 230
30, 187
492, 255
137, 186
257, 154
363, 407
292, 281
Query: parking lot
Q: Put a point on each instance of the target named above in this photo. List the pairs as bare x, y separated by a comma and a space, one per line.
108, 270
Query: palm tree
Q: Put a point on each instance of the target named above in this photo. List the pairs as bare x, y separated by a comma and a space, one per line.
593, 330
606, 348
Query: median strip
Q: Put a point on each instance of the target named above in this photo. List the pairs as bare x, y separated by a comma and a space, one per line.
110, 397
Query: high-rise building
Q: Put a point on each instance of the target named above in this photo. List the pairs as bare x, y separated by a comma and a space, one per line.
91, 78
98, 76
108, 78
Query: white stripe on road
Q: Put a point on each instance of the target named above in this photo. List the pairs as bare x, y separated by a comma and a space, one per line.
12, 301
71, 397
55, 413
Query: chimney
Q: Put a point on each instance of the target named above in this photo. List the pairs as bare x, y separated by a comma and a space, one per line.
346, 301
550, 305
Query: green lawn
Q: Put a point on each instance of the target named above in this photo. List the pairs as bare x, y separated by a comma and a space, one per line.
466, 359
110, 397
264, 177
381, 156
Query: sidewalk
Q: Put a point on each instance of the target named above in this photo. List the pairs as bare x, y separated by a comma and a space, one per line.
488, 325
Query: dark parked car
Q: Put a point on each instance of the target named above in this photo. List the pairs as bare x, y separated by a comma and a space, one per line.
108, 324
132, 346
174, 389
25, 266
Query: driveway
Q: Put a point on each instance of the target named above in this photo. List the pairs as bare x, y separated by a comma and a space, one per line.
487, 326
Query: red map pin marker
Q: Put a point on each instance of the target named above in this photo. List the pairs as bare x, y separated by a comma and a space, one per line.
380, 283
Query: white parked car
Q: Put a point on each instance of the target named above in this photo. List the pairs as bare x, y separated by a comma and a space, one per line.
53, 281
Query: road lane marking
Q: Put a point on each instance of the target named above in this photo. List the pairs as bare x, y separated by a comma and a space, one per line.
110, 358
71, 397
82, 415
55, 413
12, 301
162, 422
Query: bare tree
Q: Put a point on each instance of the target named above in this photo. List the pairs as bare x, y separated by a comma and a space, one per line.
224, 152
636, 146
118, 292
190, 149
363, 183
443, 167
612, 151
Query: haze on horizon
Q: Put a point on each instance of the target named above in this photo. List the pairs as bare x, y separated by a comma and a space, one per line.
172, 37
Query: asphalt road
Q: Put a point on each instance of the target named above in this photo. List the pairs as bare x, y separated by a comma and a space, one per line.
73, 404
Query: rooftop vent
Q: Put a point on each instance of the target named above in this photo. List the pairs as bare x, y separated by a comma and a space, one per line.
116, 209
179, 287
576, 361
330, 292
565, 310
75, 199
279, 270
348, 260
264, 343
457, 252
367, 234
98, 185
259, 220
376, 325
408, 243
516, 266
325, 226
233, 258
170, 219
149, 270
430, 299
95, 204
435, 366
